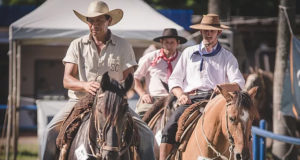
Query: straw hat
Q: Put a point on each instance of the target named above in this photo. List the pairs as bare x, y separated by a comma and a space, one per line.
210, 22
170, 33
98, 8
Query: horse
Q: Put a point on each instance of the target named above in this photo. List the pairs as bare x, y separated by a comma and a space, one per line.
108, 132
264, 97
224, 129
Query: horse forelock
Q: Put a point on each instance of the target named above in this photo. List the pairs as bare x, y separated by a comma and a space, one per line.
242, 99
114, 104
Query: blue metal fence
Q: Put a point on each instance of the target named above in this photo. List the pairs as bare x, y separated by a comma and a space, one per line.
259, 140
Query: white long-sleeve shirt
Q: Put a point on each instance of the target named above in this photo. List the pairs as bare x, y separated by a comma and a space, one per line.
218, 69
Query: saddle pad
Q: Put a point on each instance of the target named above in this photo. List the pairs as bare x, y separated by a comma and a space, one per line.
189, 116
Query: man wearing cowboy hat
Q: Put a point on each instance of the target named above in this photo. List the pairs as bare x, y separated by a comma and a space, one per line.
200, 68
155, 67
87, 58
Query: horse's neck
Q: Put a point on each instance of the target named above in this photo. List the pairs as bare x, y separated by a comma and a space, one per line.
213, 128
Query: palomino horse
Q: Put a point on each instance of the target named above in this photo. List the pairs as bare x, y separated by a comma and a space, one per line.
108, 133
224, 129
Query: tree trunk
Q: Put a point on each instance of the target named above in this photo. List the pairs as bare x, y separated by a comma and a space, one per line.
220, 7
282, 150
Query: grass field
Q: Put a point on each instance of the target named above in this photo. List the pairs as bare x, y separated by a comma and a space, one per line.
28, 148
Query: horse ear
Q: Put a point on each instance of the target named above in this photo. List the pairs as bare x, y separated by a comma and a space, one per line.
128, 82
225, 93
105, 81
252, 92
166, 86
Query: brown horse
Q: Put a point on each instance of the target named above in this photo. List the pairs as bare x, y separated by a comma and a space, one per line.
108, 133
263, 100
157, 116
224, 129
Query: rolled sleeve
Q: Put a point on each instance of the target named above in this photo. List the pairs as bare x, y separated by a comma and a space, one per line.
72, 54
144, 64
234, 74
129, 58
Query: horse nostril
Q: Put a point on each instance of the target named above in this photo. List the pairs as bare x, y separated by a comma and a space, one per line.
238, 156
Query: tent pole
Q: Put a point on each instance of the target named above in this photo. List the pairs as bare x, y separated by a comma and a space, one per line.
18, 89
10, 99
14, 99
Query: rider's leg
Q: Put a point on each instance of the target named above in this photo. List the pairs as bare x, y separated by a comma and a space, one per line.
169, 132
48, 147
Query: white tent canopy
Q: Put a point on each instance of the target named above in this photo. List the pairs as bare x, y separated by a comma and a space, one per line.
55, 20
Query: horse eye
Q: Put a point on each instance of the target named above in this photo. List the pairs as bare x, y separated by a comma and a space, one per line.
232, 119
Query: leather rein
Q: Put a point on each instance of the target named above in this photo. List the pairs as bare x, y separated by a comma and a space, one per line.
230, 137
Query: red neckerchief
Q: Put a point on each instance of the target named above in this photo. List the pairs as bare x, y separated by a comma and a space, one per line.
168, 60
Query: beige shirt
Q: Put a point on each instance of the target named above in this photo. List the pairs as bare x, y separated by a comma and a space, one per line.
115, 57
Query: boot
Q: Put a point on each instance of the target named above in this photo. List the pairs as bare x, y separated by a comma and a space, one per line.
164, 150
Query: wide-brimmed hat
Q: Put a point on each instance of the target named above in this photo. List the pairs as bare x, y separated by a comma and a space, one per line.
170, 33
98, 8
210, 22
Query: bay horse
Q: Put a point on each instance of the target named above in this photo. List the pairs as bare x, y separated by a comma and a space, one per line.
108, 132
224, 129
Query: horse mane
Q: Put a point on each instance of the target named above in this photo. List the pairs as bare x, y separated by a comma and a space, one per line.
114, 104
242, 99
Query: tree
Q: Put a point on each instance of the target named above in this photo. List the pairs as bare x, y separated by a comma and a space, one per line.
282, 150
219, 7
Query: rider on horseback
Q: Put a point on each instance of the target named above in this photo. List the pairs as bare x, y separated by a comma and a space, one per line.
198, 71
88, 57
155, 67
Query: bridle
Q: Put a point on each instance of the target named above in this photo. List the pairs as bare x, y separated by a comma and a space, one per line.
230, 138
102, 145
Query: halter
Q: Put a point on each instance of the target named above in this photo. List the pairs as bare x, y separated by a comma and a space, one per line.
230, 137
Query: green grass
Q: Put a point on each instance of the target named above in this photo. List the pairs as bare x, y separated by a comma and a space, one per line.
26, 152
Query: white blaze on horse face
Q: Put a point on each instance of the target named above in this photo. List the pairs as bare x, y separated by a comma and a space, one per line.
244, 117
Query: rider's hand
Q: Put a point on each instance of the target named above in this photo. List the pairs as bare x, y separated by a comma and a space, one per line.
91, 87
184, 99
146, 98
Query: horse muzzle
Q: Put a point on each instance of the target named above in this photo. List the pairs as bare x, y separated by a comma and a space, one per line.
245, 155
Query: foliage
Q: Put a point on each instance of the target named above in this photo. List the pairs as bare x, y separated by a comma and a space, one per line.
23, 2
238, 7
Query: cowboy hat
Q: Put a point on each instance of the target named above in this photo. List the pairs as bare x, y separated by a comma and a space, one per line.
98, 8
210, 22
170, 33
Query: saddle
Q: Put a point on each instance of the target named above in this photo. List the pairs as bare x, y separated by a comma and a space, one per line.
162, 106
70, 126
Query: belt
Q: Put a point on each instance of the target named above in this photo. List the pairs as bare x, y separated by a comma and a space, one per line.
198, 92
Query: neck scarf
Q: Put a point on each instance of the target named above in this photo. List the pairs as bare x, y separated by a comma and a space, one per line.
168, 60
213, 53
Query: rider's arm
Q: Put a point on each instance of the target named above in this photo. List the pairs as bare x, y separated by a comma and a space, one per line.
182, 97
138, 87
72, 83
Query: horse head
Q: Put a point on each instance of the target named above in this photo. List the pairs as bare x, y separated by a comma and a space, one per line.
111, 118
239, 115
